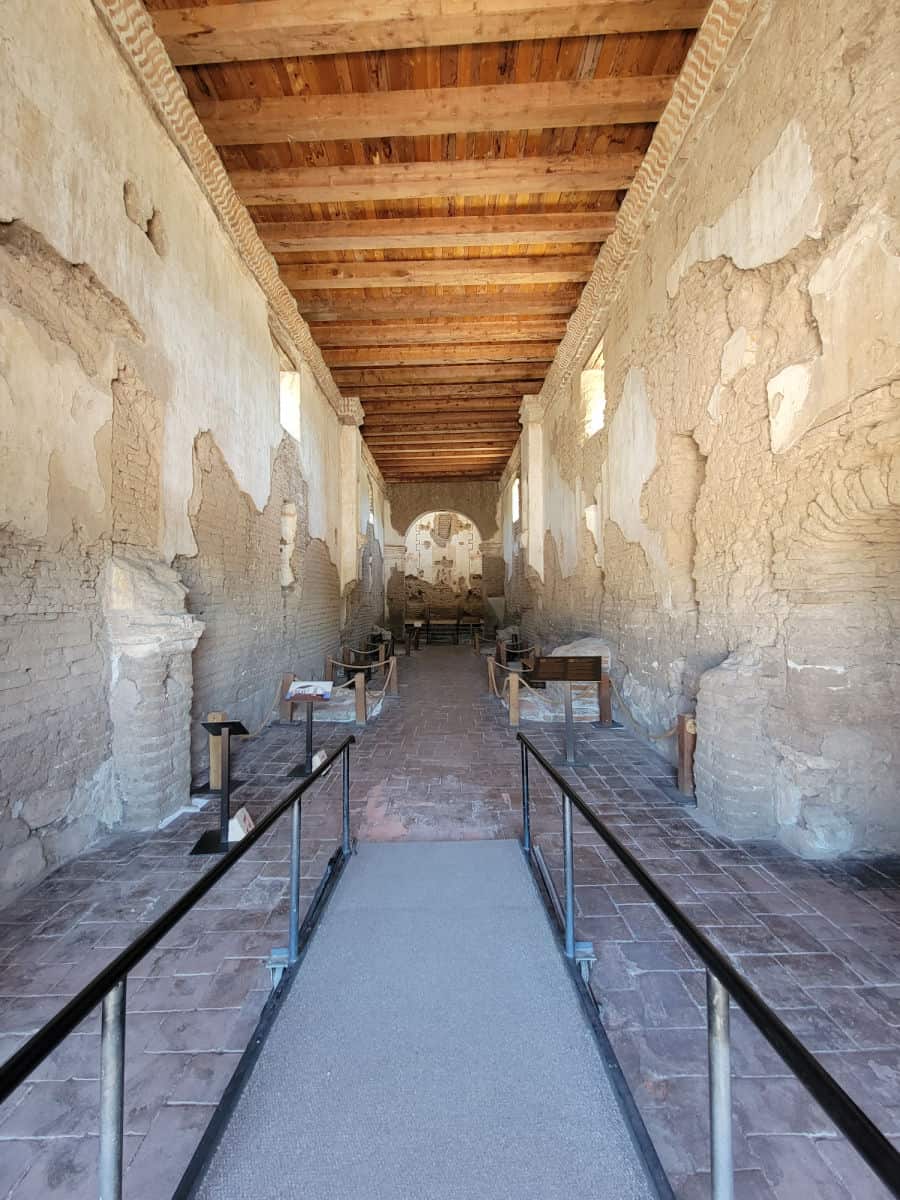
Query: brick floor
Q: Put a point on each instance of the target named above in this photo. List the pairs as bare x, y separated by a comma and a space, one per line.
820, 941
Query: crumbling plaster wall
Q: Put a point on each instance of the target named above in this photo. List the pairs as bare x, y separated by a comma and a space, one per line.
733, 531
136, 367
477, 500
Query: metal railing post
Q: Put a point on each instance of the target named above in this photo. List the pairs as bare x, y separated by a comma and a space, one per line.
526, 802
569, 859
112, 1092
294, 930
718, 1033
345, 797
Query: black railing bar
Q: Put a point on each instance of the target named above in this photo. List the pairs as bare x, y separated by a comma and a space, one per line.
29, 1057
853, 1122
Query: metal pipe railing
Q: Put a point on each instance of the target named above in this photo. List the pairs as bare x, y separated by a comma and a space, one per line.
108, 987
724, 983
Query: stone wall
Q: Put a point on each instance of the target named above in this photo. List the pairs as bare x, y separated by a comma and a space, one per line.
165, 548
733, 528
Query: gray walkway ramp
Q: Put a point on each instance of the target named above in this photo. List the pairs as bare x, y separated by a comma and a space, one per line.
431, 1048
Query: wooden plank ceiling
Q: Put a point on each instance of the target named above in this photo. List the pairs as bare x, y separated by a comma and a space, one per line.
435, 179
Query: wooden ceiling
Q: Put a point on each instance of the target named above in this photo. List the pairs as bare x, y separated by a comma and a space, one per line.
434, 178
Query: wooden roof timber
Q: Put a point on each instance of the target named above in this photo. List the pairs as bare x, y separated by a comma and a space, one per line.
344, 305
411, 233
533, 175
414, 333
519, 375
390, 356
283, 28
614, 100
381, 397
443, 272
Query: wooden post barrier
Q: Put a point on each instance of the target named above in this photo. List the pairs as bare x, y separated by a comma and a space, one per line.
392, 675
215, 753
604, 701
514, 682
687, 741
382, 661
359, 687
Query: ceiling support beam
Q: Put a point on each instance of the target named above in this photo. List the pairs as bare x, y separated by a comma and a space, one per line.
416, 233
442, 272
520, 375
397, 356
465, 177
411, 333
280, 28
344, 306
613, 100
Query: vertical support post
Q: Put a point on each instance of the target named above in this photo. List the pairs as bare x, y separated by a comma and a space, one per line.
526, 802
359, 685
569, 868
687, 741
225, 794
604, 700
215, 753
501, 647
294, 927
392, 675
345, 802
382, 661
476, 640
112, 1092
570, 722
719, 1037
307, 767
285, 707
514, 700
328, 673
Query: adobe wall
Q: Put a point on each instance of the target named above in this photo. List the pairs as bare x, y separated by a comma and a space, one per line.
148, 492
733, 530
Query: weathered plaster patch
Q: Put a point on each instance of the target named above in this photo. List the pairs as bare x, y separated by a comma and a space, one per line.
48, 409
632, 460
860, 342
738, 353
789, 411
777, 209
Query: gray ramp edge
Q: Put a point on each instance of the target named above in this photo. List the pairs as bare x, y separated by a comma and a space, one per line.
432, 1048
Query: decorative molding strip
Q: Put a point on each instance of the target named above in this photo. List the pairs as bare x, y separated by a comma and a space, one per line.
132, 31
708, 65
371, 465
350, 411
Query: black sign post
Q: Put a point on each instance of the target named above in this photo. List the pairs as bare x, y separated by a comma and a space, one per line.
215, 841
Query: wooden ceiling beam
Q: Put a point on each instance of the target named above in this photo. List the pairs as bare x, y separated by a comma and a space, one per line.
379, 398
418, 180
519, 375
410, 333
344, 306
414, 233
437, 426
440, 272
281, 28
354, 116
398, 356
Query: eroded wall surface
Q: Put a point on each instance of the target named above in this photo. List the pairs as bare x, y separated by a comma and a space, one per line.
165, 547
443, 564
405, 503
733, 529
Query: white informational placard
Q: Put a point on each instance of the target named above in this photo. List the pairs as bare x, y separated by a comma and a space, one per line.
319, 689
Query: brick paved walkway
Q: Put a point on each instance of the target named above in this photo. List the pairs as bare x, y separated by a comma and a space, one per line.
820, 941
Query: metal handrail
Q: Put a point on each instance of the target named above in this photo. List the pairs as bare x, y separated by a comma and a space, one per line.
724, 981
108, 986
